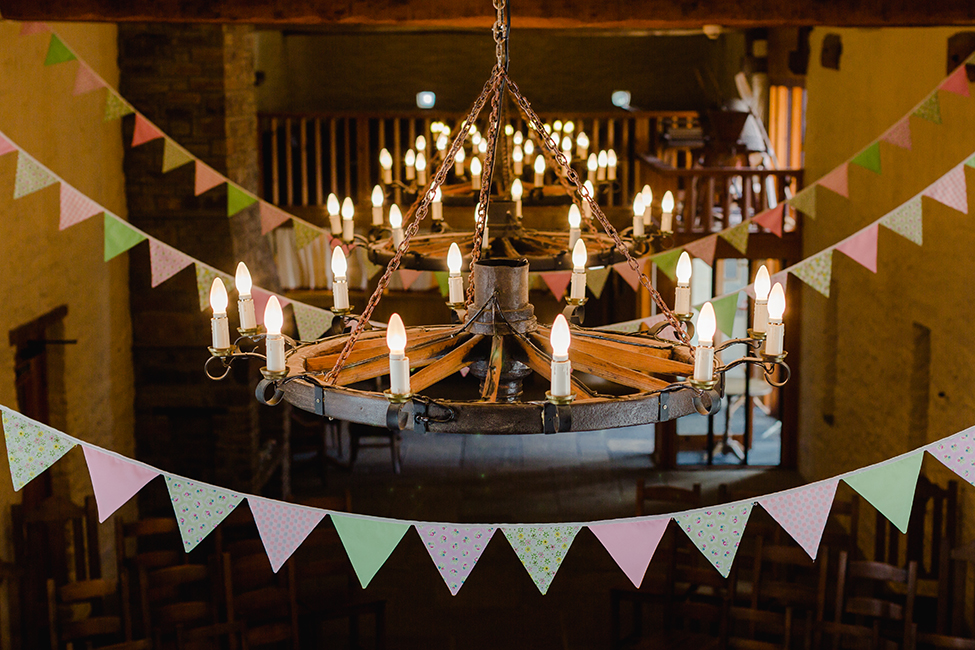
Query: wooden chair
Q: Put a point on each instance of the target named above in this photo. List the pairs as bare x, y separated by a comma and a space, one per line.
263, 601
675, 498
86, 614
923, 543
843, 526
874, 605
950, 628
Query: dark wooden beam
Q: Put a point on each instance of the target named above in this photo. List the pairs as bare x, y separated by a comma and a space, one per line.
629, 14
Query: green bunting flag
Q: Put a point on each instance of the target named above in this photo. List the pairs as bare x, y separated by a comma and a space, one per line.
906, 220
119, 236
204, 280
443, 281
869, 158
116, 107
368, 542
816, 271
805, 201
31, 447
173, 156
724, 313
667, 262
930, 110
737, 237
889, 487
58, 52
596, 280
304, 234
238, 199
367, 264
31, 176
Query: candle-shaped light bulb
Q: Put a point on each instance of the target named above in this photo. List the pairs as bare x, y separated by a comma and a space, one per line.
684, 268
475, 173
377, 205
557, 126
482, 148
219, 326
459, 162
421, 168
590, 191
592, 164
340, 281
442, 142
348, 225
569, 127
704, 353
454, 259
436, 205
775, 336
638, 230
386, 163
706, 325
243, 281
647, 195
776, 302
611, 164
274, 342
518, 156
518, 137
509, 130
410, 160
760, 313
582, 145
529, 148
567, 148
396, 223
245, 304
218, 298
561, 367
334, 218
455, 283
475, 138
399, 365
539, 170
762, 284
602, 159
667, 212
682, 301
548, 128
421, 143
579, 256
517, 191
575, 221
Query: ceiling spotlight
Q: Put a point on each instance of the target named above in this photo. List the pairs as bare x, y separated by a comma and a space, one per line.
426, 99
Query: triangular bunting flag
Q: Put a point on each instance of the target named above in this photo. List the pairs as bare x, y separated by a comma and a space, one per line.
737, 237
31, 447
716, 532
114, 480
305, 234
86, 80
204, 280
541, 549
282, 527
803, 512
724, 312
930, 110
145, 131
631, 277
119, 236
805, 201
957, 453
443, 282
957, 82
368, 542
771, 220
862, 247
27, 29
667, 262
206, 178
76, 207
817, 271
869, 158
596, 280
199, 508
837, 180
899, 135
631, 544
173, 156
906, 220
950, 190
311, 321
261, 297
238, 199
557, 282
703, 248
165, 261
890, 486
455, 549
367, 264
408, 277
58, 52
6, 146
782, 277
271, 217
116, 107
31, 176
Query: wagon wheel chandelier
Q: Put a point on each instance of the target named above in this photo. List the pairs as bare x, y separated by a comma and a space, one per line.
495, 369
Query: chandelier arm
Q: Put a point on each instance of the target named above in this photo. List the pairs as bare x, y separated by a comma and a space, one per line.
419, 212
597, 212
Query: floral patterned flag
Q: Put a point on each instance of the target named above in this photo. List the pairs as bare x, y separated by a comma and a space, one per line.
889, 486
368, 542
816, 271
957, 453
204, 280
632, 543
311, 321
455, 549
803, 512
930, 109
716, 532
76, 207
199, 508
596, 280
282, 527
31, 176
165, 261
541, 549
305, 234
906, 220
805, 201
31, 447
951, 190
116, 107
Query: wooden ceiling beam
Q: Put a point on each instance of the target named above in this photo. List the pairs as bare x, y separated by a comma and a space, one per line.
628, 14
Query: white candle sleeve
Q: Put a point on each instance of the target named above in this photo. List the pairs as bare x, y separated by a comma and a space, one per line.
336, 222
220, 327
437, 211
682, 301
561, 378
638, 225
760, 316
476, 182
377, 215
397, 237
519, 167
399, 374
410, 172
667, 222
647, 219
774, 338
611, 172
458, 167
388, 176
245, 308
704, 363
275, 352
539, 179
340, 293
455, 284
348, 229
518, 212
574, 234
578, 290
421, 176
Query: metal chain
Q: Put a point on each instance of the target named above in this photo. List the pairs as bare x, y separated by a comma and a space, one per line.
596, 211
418, 211
563, 178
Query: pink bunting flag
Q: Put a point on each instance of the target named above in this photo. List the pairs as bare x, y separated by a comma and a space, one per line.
206, 178
145, 131
631, 277
6, 146
271, 217
34, 28
632, 544
957, 453
408, 277
862, 247
557, 282
957, 82
703, 248
803, 512
165, 261
837, 180
283, 527
115, 480
455, 549
76, 207
771, 220
261, 297
950, 190
899, 135
86, 80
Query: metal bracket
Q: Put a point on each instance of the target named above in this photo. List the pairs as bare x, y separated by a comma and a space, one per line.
575, 314
663, 407
420, 418
398, 415
557, 418
261, 393
319, 400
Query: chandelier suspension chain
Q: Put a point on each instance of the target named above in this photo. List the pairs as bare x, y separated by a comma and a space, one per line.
597, 212
419, 212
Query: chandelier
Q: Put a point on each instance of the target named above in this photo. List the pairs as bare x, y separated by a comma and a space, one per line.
495, 369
